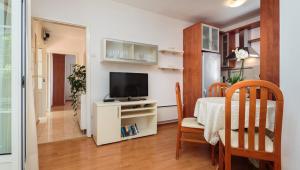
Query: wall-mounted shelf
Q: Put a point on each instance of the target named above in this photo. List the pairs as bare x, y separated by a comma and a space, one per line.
233, 68
129, 52
170, 68
172, 51
254, 40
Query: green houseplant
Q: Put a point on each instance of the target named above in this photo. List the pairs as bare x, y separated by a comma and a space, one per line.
234, 79
77, 81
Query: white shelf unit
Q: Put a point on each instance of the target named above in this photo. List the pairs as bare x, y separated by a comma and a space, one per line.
172, 51
170, 59
129, 52
171, 68
108, 118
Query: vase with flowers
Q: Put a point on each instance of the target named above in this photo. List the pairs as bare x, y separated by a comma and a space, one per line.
241, 55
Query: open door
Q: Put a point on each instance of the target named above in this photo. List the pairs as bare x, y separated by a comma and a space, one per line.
11, 112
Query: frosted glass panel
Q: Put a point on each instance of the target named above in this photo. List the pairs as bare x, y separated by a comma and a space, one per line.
5, 77
206, 38
215, 39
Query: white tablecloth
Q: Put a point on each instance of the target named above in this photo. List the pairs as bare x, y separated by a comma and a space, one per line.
210, 112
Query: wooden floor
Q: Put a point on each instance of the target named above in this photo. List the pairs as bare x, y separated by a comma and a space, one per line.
153, 152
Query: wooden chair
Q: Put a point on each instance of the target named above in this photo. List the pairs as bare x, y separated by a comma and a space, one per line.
186, 125
252, 143
216, 90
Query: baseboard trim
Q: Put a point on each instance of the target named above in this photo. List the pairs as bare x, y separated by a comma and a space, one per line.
167, 122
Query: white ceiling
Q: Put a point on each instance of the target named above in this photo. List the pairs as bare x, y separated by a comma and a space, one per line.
212, 11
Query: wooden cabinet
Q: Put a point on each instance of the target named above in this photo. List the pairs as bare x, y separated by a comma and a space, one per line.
210, 38
196, 38
224, 48
192, 72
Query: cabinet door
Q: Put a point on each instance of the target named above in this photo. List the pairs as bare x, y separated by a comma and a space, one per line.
109, 124
206, 37
214, 39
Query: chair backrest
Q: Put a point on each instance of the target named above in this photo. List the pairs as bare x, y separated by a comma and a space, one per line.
217, 89
179, 103
266, 88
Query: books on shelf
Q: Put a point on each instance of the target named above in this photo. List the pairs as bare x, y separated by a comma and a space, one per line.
129, 130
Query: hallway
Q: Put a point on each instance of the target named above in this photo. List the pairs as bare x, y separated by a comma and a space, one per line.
59, 125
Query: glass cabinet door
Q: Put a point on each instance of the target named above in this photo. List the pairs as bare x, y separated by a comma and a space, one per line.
5, 77
205, 37
214, 39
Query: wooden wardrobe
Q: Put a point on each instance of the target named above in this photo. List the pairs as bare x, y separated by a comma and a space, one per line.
193, 44
192, 64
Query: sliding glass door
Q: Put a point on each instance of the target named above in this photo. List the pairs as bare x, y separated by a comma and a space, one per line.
5, 77
10, 84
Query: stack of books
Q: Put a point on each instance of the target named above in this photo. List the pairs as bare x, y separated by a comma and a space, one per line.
129, 130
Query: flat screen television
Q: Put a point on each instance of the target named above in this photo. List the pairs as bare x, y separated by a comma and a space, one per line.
123, 85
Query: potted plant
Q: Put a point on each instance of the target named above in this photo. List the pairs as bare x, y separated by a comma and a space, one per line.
241, 55
77, 81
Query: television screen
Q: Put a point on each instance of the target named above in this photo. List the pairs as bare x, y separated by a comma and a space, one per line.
128, 84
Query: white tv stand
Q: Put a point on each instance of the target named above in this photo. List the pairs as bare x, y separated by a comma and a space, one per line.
109, 117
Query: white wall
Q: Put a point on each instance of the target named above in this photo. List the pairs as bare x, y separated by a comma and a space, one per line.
108, 19
65, 39
290, 81
70, 60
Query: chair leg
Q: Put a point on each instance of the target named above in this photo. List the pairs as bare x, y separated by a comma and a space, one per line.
262, 165
221, 156
178, 143
212, 154
277, 164
227, 161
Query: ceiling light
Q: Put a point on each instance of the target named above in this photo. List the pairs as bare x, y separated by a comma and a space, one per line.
234, 3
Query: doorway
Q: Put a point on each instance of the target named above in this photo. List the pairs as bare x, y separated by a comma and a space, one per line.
57, 48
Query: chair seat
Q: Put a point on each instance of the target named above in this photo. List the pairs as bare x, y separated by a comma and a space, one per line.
191, 123
235, 138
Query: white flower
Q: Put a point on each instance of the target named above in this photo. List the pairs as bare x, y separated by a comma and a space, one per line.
241, 54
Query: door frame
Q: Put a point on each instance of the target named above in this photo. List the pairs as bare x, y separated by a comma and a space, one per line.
88, 70
49, 64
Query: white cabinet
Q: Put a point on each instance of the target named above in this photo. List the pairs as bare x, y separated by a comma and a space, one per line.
107, 122
110, 118
210, 38
129, 52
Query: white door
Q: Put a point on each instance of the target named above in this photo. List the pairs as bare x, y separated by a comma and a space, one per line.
110, 124
10, 85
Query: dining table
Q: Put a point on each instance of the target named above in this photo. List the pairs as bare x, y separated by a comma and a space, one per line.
210, 112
